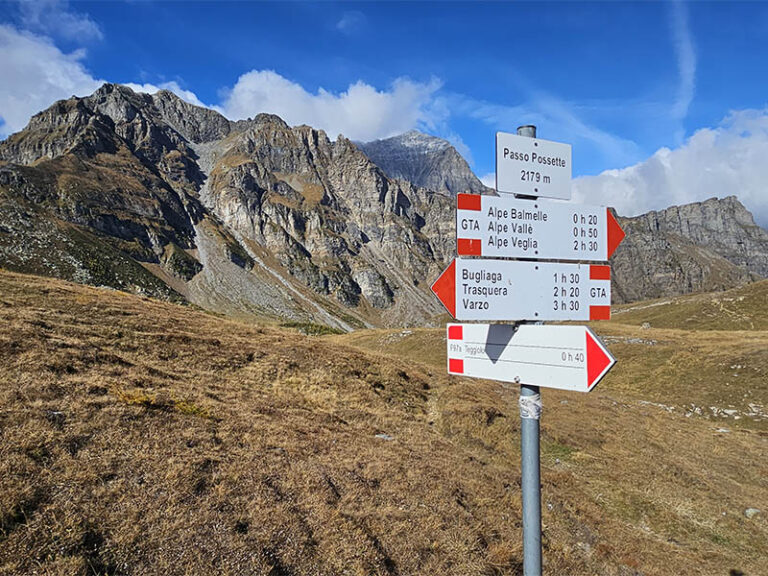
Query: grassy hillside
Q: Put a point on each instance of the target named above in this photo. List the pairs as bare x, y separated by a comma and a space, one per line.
141, 437
742, 308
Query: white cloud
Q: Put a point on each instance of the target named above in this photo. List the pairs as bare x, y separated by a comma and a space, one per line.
35, 73
54, 18
686, 65
173, 86
360, 113
722, 161
489, 180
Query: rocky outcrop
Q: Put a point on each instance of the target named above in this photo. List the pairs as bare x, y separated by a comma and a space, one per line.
711, 245
424, 161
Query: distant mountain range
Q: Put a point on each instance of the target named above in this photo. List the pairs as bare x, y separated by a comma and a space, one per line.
153, 195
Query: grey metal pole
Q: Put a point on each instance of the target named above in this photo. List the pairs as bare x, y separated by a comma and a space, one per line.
530, 412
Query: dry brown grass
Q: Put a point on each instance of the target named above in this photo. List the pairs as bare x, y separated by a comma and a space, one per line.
138, 437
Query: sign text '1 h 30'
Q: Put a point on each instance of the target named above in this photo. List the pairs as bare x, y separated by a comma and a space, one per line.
508, 290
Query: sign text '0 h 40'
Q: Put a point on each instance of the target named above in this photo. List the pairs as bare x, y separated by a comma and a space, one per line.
505, 227
564, 357
509, 290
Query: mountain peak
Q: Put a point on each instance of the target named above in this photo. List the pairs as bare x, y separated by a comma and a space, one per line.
423, 160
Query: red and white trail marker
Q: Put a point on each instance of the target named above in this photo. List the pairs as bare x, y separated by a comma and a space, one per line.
509, 290
564, 357
506, 227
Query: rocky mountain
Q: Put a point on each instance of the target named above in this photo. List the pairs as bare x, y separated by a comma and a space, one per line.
424, 161
711, 245
151, 194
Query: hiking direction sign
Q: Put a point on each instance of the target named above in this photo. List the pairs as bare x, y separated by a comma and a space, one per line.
532, 167
504, 227
563, 357
508, 290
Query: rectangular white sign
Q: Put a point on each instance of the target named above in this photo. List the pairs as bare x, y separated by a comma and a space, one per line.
502, 290
564, 357
532, 166
507, 227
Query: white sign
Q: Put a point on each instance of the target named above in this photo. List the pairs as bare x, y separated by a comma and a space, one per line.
476, 289
564, 357
512, 228
532, 166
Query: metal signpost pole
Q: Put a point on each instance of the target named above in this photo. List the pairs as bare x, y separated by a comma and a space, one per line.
530, 411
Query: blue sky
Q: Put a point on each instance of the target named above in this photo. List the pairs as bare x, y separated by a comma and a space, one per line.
640, 90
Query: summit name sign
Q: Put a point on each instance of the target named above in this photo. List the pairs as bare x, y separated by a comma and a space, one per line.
532, 166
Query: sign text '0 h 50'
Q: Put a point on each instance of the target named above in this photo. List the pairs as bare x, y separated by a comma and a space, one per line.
506, 227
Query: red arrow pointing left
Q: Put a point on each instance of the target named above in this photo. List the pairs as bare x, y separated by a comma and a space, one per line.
445, 288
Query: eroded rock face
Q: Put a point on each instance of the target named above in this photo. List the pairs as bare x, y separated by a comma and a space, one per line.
711, 245
198, 199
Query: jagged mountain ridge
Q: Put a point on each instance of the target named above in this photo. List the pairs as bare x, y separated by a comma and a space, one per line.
249, 216
703, 246
425, 161
150, 194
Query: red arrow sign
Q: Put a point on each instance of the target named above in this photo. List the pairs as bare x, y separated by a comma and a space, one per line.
511, 290
615, 234
564, 357
599, 361
445, 288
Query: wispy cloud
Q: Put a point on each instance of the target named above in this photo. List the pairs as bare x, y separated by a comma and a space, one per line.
686, 65
56, 18
351, 22
557, 119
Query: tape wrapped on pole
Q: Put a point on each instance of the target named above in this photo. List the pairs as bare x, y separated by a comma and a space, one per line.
530, 407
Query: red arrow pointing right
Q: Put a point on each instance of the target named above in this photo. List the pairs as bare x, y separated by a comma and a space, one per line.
615, 233
445, 288
599, 360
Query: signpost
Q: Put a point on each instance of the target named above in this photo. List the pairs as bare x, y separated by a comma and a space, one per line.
480, 289
532, 166
543, 229
563, 357
534, 356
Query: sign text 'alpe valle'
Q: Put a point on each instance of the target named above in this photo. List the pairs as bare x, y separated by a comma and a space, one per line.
547, 230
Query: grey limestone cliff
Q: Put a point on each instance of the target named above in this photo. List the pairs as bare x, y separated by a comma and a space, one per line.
711, 245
